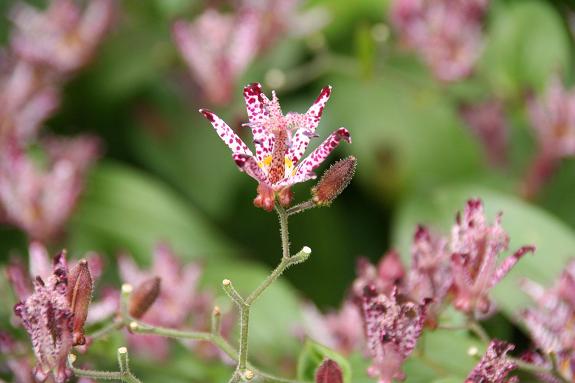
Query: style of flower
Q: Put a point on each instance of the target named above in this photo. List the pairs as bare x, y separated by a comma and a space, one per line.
392, 329
54, 316
446, 33
494, 366
429, 276
487, 122
475, 248
40, 200
178, 298
280, 142
63, 37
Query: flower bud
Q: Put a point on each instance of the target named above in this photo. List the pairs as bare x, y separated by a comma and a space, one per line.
143, 297
334, 181
80, 287
329, 372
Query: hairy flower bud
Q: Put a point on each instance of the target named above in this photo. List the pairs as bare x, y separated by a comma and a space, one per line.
80, 286
144, 296
329, 372
334, 181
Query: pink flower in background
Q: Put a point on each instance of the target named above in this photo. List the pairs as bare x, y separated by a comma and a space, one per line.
26, 101
280, 142
392, 330
494, 366
487, 122
446, 33
553, 119
217, 49
550, 322
429, 276
40, 199
64, 36
475, 247
339, 330
17, 364
178, 301
388, 273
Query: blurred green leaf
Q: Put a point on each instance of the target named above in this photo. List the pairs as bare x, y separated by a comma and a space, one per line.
526, 44
526, 224
406, 133
312, 356
125, 209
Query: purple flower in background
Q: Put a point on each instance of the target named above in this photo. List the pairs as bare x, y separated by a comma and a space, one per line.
475, 247
40, 199
446, 33
487, 122
178, 300
280, 142
64, 36
392, 329
430, 274
494, 366
217, 49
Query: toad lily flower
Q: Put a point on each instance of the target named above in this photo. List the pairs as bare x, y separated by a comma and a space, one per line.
280, 142
475, 247
494, 365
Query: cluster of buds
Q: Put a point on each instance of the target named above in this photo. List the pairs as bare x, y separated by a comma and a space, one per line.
487, 122
446, 33
54, 316
553, 119
218, 47
172, 305
281, 141
46, 47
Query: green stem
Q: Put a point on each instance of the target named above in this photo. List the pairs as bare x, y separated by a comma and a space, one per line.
476, 328
283, 218
124, 375
115, 325
301, 207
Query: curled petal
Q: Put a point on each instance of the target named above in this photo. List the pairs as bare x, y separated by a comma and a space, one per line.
321, 152
249, 165
304, 134
232, 140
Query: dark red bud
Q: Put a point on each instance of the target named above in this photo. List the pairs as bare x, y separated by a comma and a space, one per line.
334, 181
329, 372
80, 286
144, 297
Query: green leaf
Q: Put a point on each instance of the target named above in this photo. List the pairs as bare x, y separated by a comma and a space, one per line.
311, 357
526, 224
124, 209
527, 42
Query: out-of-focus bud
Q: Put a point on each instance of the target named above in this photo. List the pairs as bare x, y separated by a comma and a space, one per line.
334, 181
80, 286
144, 296
329, 372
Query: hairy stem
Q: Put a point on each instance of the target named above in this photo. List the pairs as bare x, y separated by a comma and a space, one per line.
284, 232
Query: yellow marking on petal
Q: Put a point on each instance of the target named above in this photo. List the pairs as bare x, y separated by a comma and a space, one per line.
268, 160
288, 164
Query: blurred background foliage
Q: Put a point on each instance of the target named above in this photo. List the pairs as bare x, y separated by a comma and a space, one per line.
166, 175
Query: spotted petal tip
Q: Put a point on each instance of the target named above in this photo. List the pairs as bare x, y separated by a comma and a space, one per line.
343, 133
253, 89
207, 114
